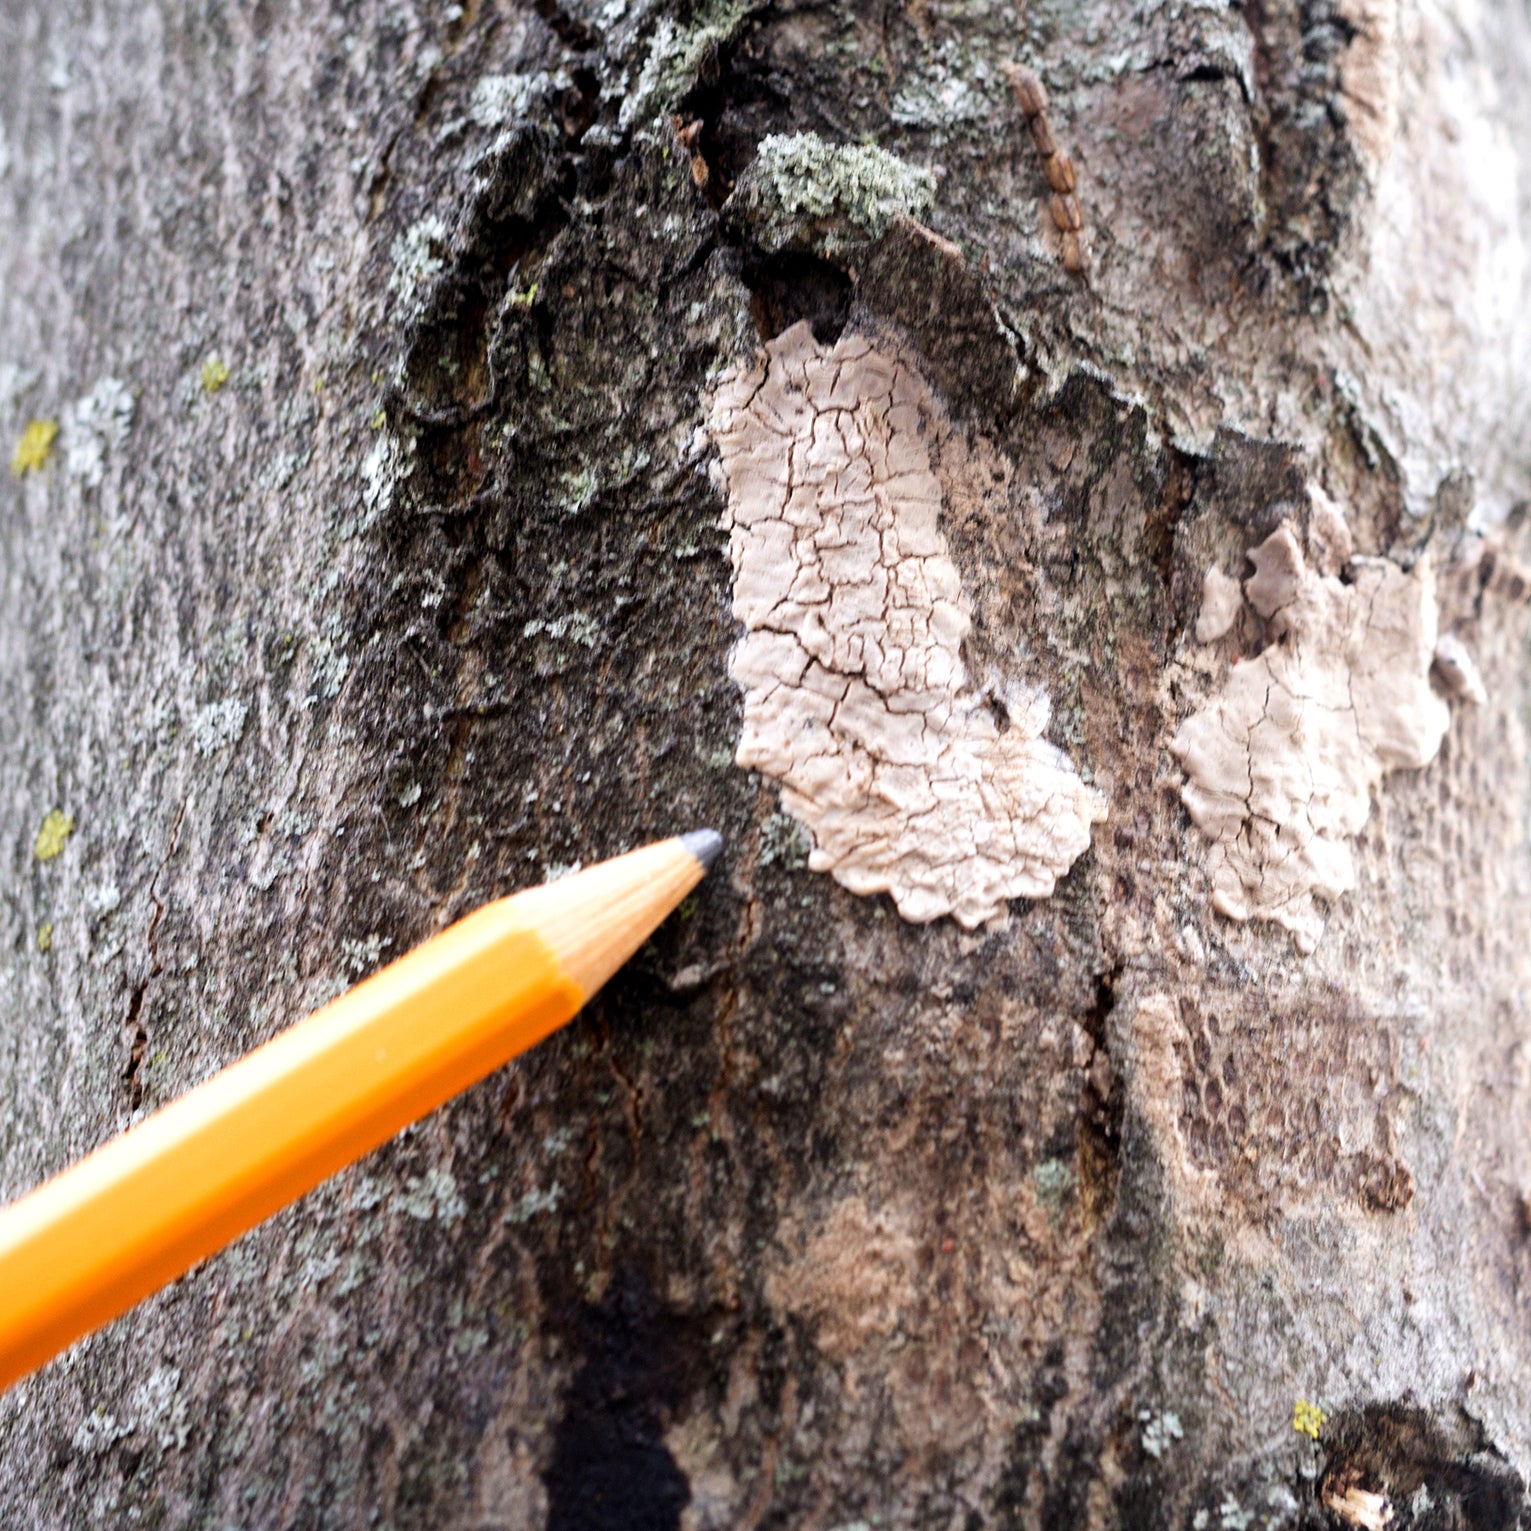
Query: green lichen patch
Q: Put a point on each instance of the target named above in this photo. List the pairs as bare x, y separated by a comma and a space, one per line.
801, 192
45, 936
57, 826
214, 374
783, 841
1055, 1183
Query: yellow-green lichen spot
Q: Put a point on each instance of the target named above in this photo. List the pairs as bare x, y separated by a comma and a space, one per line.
35, 447
1307, 1418
45, 937
215, 373
56, 828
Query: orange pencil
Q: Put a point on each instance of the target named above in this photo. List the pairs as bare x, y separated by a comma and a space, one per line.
145, 1207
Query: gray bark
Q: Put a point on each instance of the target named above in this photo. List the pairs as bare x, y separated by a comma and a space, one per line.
815, 1217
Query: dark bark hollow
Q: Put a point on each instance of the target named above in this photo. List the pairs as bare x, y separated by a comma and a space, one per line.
386, 560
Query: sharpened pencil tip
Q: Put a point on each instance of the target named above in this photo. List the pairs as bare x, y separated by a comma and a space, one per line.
706, 845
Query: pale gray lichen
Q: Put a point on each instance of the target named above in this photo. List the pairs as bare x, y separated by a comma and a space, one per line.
329, 661
677, 51
943, 92
801, 191
15, 383
218, 725
1281, 764
1232, 1516
93, 426
1160, 1431
155, 1409
381, 470
363, 956
419, 258
534, 1203
501, 98
575, 627
433, 1196
160, 1409
856, 696
98, 1432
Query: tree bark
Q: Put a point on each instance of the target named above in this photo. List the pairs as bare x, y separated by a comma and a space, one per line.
393, 552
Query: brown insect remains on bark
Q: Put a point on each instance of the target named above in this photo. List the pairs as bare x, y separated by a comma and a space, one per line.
688, 136
1067, 215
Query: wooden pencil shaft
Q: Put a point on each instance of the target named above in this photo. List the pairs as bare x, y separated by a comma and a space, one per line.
148, 1205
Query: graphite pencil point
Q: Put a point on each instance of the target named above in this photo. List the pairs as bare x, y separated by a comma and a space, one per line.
704, 844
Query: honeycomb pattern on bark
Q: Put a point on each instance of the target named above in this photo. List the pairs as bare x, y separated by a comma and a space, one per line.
1300, 1105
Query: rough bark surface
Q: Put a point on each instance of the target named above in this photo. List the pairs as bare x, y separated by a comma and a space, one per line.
396, 574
